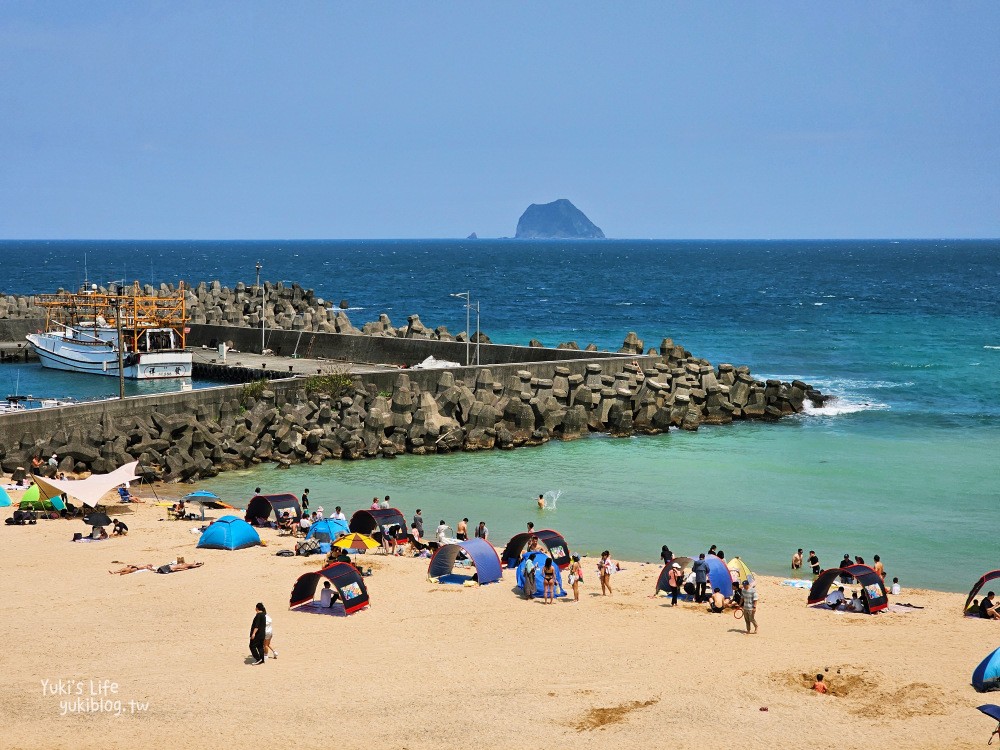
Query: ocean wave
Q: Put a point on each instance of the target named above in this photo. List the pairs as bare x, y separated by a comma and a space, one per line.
987, 346
844, 385
838, 406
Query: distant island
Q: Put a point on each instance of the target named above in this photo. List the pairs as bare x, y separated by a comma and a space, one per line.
559, 219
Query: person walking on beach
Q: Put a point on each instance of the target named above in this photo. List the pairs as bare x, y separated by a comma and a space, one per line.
749, 606
268, 634
482, 532
576, 577
674, 578
604, 569
462, 532
797, 560
700, 570
549, 581
257, 628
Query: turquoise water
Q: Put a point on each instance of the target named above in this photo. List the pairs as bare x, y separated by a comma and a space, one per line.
905, 464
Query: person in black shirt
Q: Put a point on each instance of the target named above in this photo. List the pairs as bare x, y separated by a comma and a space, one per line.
814, 562
257, 635
666, 555
988, 607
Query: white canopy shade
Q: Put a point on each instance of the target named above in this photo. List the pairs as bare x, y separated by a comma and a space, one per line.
90, 490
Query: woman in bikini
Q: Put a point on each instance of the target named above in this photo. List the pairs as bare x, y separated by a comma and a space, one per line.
549, 579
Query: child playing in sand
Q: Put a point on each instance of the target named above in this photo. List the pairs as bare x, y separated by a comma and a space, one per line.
819, 686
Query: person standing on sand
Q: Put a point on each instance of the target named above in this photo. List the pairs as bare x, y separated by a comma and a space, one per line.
549, 581
604, 569
482, 532
576, 577
700, 570
797, 560
674, 582
257, 628
462, 532
418, 521
666, 555
528, 574
305, 500
749, 606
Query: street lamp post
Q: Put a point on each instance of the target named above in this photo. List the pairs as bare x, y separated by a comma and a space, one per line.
118, 327
259, 266
467, 296
477, 333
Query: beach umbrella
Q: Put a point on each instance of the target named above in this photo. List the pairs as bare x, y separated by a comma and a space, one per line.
97, 519
356, 541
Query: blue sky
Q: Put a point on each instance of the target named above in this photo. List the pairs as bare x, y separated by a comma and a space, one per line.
419, 119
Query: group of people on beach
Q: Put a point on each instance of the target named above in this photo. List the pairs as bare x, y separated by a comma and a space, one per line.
695, 584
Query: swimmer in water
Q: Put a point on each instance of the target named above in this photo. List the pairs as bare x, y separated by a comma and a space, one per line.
541, 502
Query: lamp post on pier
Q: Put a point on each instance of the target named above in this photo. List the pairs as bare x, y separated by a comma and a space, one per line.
467, 296
259, 266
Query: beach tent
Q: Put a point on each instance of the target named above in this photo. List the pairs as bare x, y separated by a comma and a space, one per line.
32, 499
552, 540
482, 554
986, 578
739, 571
261, 506
343, 576
371, 521
326, 530
229, 532
538, 558
88, 491
5, 501
874, 596
987, 675
719, 576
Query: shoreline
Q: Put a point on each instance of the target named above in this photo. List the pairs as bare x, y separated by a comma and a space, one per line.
172, 492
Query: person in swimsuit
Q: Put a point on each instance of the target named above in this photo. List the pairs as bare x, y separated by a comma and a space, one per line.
549, 580
462, 533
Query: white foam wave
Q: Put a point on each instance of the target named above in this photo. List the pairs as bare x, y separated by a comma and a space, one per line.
987, 346
838, 406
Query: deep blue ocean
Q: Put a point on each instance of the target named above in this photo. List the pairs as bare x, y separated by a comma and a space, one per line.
906, 463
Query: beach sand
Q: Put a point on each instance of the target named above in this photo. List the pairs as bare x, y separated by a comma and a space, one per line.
445, 666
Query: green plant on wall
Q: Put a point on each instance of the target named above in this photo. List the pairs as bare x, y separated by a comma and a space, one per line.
334, 382
252, 391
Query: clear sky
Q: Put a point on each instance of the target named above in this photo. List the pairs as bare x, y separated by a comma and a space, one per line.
436, 119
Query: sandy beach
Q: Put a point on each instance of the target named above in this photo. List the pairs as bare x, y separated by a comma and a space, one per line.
445, 666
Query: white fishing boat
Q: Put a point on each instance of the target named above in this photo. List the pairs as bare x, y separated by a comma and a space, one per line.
91, 333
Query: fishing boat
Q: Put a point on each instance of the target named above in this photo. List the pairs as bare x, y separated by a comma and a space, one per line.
92, 332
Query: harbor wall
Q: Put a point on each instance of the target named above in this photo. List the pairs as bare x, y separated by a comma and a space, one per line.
196, 434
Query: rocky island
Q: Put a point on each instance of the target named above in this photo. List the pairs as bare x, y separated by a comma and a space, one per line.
559, 219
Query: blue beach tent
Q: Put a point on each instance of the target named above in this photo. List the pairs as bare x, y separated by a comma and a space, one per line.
482, 554
987, 675
229, 532
539, 560
4, 498
719, 576
327, 529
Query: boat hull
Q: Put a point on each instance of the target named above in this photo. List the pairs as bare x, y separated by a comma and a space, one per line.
56, 353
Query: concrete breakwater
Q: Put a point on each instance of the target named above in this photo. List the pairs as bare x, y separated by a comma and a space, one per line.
191, 435
275, 306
